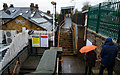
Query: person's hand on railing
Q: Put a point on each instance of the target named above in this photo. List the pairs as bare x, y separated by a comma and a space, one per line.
98, 60
118, 58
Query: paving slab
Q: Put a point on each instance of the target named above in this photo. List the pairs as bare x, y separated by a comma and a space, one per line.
72, 64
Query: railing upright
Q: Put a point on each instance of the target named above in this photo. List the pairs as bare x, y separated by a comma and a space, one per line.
118, 12
98, 20
75, 38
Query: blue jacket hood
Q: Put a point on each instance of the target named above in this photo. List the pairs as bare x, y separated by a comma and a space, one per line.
108, 42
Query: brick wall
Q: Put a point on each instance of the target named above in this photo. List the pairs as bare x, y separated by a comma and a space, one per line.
18, 23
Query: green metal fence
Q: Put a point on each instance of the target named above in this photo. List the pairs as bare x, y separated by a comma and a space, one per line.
105, 19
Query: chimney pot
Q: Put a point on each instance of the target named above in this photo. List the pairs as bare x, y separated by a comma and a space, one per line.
32, 6
11, 5
5, 6
36, 6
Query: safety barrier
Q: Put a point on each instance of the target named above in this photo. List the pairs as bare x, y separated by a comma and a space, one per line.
75, 39
105, 19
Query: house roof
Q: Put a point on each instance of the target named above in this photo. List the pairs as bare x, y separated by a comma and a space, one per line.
12, 12
44, 24
37, 17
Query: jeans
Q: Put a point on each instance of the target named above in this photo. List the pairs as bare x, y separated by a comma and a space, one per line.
109, 69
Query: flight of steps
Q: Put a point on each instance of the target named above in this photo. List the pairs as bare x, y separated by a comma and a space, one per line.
66, 42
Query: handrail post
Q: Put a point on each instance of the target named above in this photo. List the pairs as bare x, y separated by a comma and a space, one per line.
8, 71
118, 35
75, 38
98, 21
118, 40
15, 68
88, 17
57, 69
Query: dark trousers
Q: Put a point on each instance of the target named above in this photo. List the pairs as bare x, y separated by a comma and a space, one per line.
86, 70
109, 69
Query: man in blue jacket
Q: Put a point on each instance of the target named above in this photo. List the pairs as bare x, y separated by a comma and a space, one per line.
108, 55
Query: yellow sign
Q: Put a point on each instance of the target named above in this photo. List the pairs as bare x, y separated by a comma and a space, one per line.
35, 41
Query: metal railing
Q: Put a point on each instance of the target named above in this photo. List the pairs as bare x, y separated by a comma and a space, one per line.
74, 34
105, 19
59, 32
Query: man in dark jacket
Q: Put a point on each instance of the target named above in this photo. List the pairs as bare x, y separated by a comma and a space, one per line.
108, 55
90, 59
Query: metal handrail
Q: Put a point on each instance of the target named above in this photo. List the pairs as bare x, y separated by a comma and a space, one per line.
15, 68
75, 38
73, 29
59, 31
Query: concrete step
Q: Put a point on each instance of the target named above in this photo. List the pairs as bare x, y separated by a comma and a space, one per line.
64, 42
66, 54
66, 35
67, 50
65, 38
66, 45
26, 70
69, 40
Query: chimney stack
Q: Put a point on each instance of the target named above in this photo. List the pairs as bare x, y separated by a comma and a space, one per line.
36, 6
11, 6
5, 6
32, 6
48, 12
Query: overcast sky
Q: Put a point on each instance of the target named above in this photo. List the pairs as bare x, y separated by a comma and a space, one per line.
45, 5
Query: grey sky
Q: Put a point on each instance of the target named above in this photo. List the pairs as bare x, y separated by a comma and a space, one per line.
45, 5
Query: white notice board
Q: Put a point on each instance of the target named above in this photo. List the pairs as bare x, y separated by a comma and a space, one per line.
44, 40
88, 42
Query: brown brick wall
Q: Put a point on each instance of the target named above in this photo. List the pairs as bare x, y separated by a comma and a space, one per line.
20, 22
99, 40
